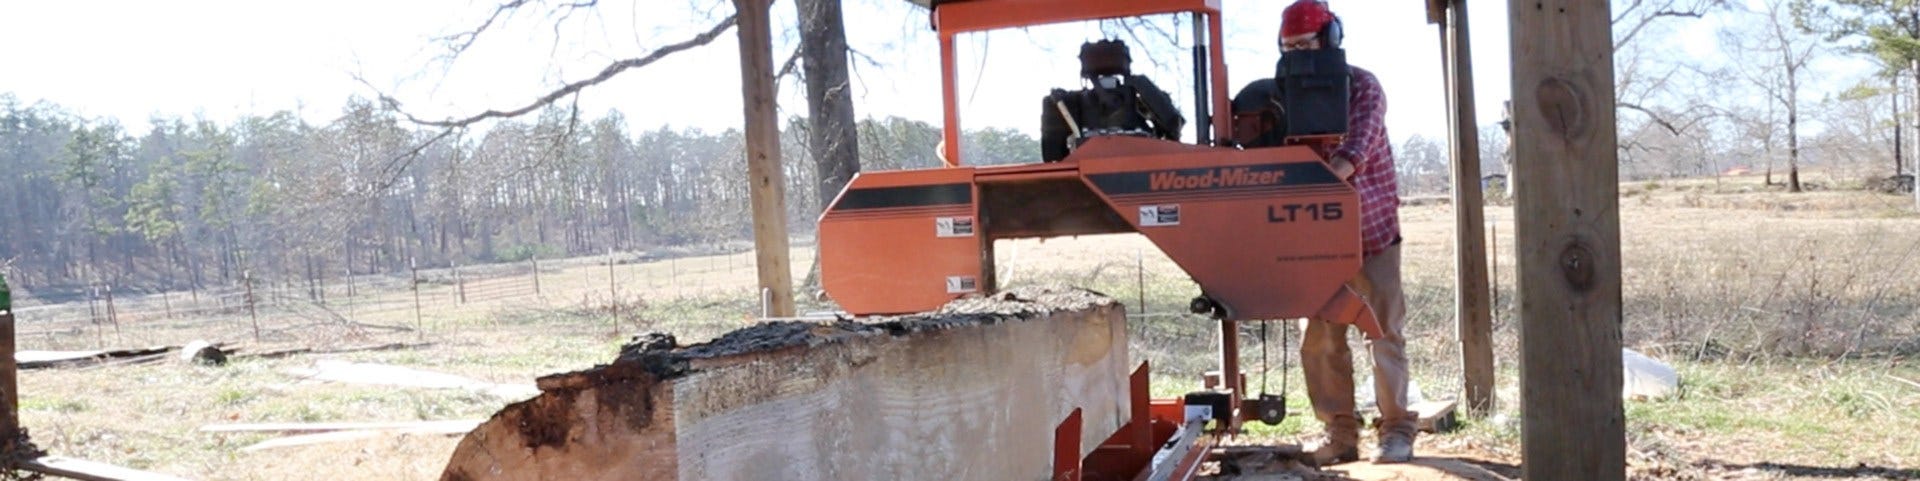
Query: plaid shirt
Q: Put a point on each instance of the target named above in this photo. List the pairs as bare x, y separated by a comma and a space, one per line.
1367, 147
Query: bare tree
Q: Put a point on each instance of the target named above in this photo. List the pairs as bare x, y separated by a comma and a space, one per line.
1772, 56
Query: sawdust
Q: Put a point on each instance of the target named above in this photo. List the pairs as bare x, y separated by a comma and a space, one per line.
659, 355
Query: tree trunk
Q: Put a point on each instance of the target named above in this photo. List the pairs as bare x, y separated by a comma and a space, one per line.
1899, 126
1793, 131
832, 139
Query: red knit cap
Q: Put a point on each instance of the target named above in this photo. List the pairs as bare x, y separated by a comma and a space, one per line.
1304, 17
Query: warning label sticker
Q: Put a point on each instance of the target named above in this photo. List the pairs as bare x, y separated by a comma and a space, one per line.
1159, 215
962, 284
953, 226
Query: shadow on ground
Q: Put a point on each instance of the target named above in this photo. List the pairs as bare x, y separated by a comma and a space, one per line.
1859, 471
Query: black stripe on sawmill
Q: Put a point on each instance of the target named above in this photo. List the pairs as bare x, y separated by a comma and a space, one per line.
1253, 177
913, 196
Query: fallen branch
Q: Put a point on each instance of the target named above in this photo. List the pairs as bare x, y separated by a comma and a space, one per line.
88, 470
1916, 385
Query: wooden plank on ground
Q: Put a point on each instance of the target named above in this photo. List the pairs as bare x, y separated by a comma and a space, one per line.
973, 391
85, 470
440, 428
1566, 180
388, 375
1435, 416
307, 428
66, 359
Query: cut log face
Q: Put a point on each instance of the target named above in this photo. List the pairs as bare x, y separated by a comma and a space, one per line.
973, 391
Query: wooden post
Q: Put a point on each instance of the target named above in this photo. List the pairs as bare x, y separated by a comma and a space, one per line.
767, 181
1473, 323
1139, 280
419, 323
613, 296
9, 385
459, 284
1568, 240
113, 315
246, 277
1493, 254
536, 274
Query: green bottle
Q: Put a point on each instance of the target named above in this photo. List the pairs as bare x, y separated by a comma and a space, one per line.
6, 297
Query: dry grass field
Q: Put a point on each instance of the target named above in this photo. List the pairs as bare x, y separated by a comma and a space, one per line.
1793, 320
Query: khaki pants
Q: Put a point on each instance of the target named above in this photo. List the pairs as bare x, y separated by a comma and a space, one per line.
1328, 361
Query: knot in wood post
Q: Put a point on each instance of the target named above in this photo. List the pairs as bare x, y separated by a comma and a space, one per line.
1577, 264
1563, 108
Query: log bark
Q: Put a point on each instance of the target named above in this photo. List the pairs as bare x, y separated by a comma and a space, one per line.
973, 391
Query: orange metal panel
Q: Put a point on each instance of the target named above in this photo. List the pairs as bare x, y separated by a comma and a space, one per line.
980, 15
902, 241
1268, 233
952, 19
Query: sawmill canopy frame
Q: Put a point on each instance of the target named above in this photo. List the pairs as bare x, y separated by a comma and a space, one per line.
954, 17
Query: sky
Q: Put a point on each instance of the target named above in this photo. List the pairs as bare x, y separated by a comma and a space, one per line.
132, 60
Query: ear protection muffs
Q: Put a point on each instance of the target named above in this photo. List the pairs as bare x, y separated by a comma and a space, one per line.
1331, 33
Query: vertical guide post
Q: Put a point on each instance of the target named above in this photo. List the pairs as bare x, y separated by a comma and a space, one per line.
1200, 64
766, 180
1568, 240
1230, 373
1472, 316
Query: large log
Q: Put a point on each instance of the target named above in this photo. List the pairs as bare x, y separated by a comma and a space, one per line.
973, 391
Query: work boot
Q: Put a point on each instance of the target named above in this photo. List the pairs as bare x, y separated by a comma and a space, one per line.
1394, 448
1329, 453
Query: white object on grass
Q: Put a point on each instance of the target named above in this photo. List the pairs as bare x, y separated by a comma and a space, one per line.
1646, 377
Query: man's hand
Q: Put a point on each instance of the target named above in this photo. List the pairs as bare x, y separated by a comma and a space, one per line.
1342, 167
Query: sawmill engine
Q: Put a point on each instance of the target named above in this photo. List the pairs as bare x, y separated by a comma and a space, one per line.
1113, 101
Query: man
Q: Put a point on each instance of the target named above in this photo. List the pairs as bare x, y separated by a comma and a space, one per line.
1113, 102
1365, 160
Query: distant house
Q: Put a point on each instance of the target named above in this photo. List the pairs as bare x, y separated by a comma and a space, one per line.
1493, 181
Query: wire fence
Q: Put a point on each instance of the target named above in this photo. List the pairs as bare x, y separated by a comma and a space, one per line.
617, 284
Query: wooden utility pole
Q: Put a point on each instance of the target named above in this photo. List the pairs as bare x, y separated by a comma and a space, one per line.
1568, 233
9, 384
1472, 312
767, 182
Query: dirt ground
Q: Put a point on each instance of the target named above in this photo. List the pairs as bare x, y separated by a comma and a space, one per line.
1791, 318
